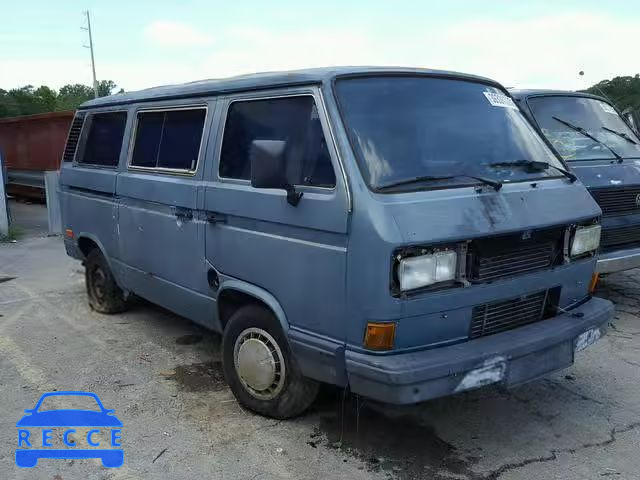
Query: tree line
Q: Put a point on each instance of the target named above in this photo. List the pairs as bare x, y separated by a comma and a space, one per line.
29, 100
623, 91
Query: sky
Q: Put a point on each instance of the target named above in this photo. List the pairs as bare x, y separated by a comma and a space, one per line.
139, 44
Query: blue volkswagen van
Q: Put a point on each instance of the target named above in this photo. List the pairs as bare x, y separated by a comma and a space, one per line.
604, 152
404, 233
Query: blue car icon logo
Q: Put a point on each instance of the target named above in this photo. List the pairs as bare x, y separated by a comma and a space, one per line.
100, 422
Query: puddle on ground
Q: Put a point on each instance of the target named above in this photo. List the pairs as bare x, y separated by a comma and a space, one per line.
191, 339
199, 377
396, 445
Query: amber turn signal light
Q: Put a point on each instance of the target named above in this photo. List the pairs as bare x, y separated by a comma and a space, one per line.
379, 336
594, 282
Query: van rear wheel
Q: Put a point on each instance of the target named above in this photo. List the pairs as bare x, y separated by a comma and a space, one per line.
105, 296
259, 367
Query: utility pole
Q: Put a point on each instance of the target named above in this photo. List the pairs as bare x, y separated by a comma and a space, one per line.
90, 47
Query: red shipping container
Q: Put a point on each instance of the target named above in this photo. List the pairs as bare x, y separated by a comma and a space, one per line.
34, 142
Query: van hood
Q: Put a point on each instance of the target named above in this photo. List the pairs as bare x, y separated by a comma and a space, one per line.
452, 215
603, 173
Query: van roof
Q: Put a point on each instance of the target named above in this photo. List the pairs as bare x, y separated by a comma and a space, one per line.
520, 93
259, 81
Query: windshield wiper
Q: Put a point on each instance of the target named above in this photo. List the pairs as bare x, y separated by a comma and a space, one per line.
620, 134
583, 132
496, 185
535, 166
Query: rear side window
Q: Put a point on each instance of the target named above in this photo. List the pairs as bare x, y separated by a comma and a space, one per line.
168, 139
104, 139
294, 119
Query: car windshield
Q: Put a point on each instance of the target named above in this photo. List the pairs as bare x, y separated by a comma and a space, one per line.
69, 402
556, 115
412, 127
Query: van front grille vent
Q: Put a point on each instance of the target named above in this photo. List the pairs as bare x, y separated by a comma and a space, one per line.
618, 200
493, 258
505, 315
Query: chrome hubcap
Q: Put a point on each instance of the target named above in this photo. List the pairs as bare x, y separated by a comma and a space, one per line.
259, 363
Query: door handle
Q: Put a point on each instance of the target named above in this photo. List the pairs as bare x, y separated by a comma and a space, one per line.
215, 217
184, 213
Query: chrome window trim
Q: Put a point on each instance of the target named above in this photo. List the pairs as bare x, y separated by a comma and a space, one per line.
302, 93
171, 171
82, 142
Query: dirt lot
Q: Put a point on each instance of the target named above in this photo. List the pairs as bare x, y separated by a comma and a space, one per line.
161, 374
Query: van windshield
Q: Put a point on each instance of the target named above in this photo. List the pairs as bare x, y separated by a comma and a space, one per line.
557, 116
442, 131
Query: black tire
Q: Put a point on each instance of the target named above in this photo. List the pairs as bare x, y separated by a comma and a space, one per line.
105, 296
295, 393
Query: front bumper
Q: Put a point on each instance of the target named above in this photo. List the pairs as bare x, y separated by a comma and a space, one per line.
508, 358
618, 260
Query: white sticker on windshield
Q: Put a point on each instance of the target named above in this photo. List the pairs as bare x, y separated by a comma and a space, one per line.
500, 100
608, 108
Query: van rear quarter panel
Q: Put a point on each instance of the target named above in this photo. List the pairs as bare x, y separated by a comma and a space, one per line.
88, 197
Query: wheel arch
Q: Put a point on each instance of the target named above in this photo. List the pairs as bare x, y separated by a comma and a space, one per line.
234, 294
87, 242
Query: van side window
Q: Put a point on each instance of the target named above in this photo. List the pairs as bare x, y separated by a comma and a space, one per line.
293, 119
168, 139
104, 140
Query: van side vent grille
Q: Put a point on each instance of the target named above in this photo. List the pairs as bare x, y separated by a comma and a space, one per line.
618, 200
505, 315
72, 139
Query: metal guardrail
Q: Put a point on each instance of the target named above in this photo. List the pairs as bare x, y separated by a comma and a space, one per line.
26, 178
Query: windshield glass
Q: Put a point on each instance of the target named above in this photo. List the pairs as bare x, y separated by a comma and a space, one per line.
404, 127
591, 115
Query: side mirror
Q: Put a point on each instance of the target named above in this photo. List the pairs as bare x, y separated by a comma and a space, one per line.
268, 167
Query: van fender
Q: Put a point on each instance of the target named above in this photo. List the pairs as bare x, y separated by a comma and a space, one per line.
95, 240
114, 271
258, 293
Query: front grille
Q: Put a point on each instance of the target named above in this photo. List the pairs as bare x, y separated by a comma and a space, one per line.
505, 256
505, 315
616, 237
617, 201
73, 137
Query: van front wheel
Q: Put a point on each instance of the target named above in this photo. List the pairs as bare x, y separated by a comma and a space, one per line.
105, 296
259, 367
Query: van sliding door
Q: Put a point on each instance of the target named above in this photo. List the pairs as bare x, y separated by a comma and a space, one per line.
161, 230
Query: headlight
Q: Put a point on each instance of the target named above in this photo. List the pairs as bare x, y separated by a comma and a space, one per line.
416, 272
585, 240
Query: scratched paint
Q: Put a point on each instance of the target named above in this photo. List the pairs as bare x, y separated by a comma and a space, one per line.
492, 371
587, 338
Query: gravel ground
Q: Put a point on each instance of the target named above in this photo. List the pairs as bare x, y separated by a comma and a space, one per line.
161, 374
